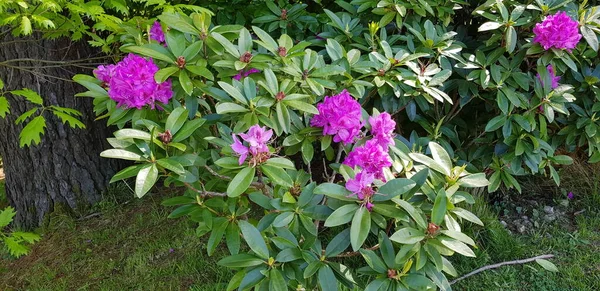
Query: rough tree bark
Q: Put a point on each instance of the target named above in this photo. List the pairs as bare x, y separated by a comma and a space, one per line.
65, 170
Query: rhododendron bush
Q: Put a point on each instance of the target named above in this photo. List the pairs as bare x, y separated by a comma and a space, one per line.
303, 138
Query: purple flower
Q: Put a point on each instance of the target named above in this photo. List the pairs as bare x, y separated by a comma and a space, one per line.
559, 31
157, 33
361, 185
382, 128
553, 77
245, 73
171, 250
369, 206
339, 115
105, 73
570, 196
257, 139
239, 149
370, 157
131, 82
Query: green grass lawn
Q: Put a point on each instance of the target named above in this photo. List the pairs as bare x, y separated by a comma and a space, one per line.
131, 245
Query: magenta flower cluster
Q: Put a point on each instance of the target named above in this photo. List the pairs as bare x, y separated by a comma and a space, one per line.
245, 73
553, 77
257, 138
557, 31
157, 33
131, 83
339, 115
361, 186
382, 129
371, 158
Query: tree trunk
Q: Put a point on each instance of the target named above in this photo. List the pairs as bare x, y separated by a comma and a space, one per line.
65, 170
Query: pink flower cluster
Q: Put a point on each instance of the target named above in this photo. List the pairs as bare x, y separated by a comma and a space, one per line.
339, 115
557, 31
361, 187
131, 82
245, 73
382, 129
257, 138
371, 158
157, 33
553, 77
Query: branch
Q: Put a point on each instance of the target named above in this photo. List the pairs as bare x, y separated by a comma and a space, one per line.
494, 266
203, 192
352, 254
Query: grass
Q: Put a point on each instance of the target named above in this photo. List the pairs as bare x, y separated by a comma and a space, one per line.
128, 247
575, 241
131, 245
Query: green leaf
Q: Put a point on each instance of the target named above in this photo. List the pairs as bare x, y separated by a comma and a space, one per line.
227, 45
562, 160
26, 115
439, 208
276, 280
146, 178
232, 236
490, 25
590, 36
338, 244
495, 123
121, 154
175, 21
29, 95
408, 236
240, 261
176, 119
186, 82
188, 129
412, 211
26, 25
474, 181
233, 92
14, 247
394, 188
441, 157
147, 51
459, 236
359, 230
217, 231
429, 162
128, 172
457, 246
6, 216
254, 239
288, 255
240, 182
334, 191
68, 119
327, 279
228, 107
281, 163
374, 261
303, 106
266, 38
341, 215
163, 74
171, 165
511, 39
4, 107
467, 215
549, 266
32, 132
130, 133
277, 175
